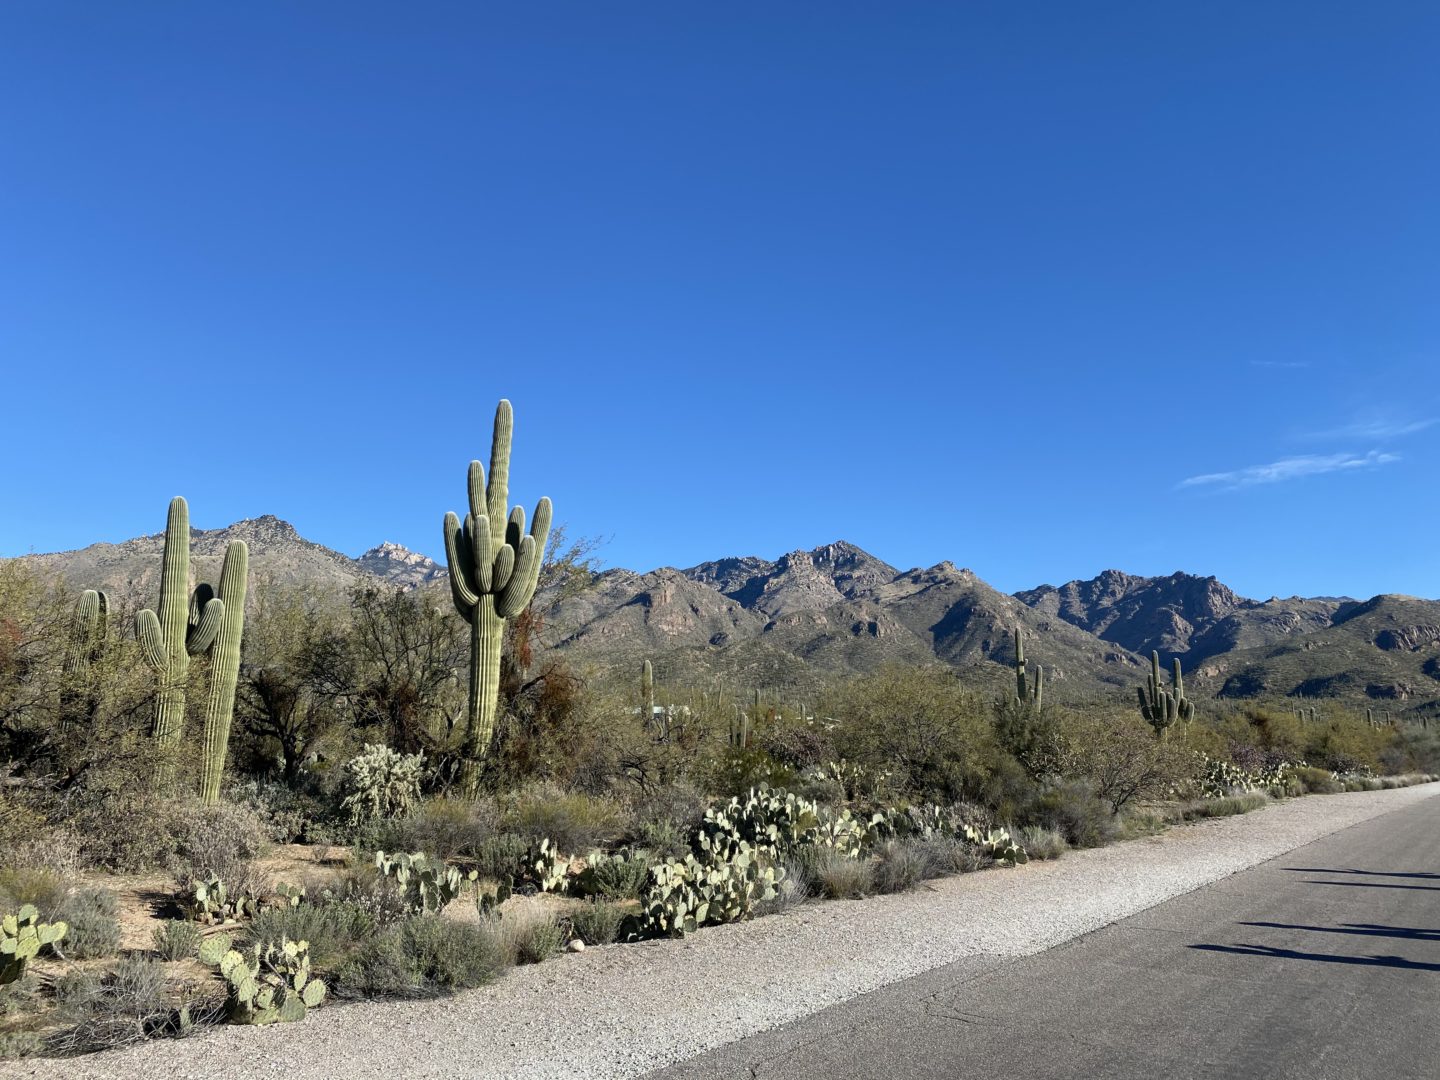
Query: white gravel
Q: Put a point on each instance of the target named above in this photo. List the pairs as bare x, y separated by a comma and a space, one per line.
622, 1011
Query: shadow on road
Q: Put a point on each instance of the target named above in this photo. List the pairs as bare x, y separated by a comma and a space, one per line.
1366, 873
1376, 885
1325, 958
1408, 933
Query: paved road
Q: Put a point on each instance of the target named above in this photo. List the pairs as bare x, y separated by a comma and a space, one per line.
1323, 963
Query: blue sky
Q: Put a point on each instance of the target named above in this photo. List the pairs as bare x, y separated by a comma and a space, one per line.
1037, 288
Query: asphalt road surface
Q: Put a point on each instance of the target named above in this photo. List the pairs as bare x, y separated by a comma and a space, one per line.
1322, 963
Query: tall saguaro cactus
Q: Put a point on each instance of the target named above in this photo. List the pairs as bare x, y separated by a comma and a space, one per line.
224, 668
647, 693
494, 568
1161, 706
186, 626
1024, 695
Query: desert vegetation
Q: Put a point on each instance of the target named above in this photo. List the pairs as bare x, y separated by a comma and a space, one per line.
263, 799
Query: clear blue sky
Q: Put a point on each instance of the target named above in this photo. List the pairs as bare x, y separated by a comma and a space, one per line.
987, 282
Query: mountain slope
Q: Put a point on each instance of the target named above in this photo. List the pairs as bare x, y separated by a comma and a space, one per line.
1182, 614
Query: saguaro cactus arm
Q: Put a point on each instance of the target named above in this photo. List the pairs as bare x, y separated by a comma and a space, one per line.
225, 666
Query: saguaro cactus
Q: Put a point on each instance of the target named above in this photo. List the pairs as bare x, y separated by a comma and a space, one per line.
224, 668
494, 568
647, 693
1024, 695
1161, 706
88, 628
186, 626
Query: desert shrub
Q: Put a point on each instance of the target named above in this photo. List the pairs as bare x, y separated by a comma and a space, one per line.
620, 876
1120, 758
920, 725
1315, 781
735, 770
841, 877
220, 841
1225, 806
531, 936
1073, 809
797, 744
447, 828
1042, 843
597, 922
286, 815
951, 855
76, 989
130, 1005
450, 955
901, 865
332, 929
380, 783
92, 916
575, 822
45, 889
175, 939
21, 1044
501, 858
365, 888
665, 811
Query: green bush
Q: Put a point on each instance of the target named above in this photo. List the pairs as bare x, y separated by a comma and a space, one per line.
130, 1005
620, 876
597, 922
92, 916
220, 841
901, 865
334, 930
421, 956
447, 828
501, 858
45, 889
952, 855
736, 770
532, 936
176, 939
1042, 843
1225, 806
575, 822
841, 877
1315, 781
934, 737
1073, 809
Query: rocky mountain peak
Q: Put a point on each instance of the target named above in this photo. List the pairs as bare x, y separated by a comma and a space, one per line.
398, 565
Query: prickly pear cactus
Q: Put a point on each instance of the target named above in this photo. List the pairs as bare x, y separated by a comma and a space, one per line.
212, 902
429, 884
22, 936
270, 984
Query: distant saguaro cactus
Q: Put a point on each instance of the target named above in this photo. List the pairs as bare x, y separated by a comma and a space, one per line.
186, 626
88, 628
1162, 707
224, 668
494, 569
647, 693
1024, 695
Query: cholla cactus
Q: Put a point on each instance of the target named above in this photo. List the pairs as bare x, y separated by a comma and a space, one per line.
381, 783
22, 936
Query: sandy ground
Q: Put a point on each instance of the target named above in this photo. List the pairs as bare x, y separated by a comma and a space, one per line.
624, 1010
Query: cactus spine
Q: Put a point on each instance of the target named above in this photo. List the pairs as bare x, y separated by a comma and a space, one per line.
494, 568
186, 625
224, 669
1023, 694
1162, 707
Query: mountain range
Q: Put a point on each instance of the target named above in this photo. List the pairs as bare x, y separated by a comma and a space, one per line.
808, 615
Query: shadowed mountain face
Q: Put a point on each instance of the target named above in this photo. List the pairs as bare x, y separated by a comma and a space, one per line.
1182, 615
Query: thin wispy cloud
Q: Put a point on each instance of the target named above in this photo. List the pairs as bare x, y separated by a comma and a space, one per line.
1376, 429
1291, 468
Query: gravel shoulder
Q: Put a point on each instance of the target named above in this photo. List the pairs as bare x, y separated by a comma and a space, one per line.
625, 1010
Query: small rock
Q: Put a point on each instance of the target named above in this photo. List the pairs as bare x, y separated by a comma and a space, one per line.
576, 945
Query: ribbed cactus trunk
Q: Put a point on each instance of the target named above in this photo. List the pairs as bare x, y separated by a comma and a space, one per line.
647, 693
224, 670
87, 638
487, 636
494, 569
186, 624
